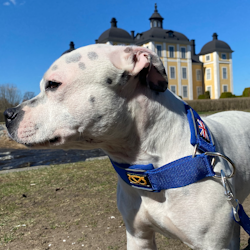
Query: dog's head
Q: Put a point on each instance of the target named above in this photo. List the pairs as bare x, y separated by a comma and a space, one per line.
84, 97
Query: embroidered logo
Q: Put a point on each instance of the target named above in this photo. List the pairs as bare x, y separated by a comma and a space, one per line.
137, 179
203, 131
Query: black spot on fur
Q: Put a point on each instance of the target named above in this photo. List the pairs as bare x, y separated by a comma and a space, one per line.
81, 65
92, 99
128, 50
92, 55
54, 67
143, 76
73, 58
124, 78
109, 81
160, 87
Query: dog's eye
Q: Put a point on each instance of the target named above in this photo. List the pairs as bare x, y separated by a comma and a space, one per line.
52, 85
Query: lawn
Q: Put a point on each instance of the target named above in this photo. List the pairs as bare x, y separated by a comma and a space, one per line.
71, 206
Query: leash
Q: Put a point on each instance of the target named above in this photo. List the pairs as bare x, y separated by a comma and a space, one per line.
186, 170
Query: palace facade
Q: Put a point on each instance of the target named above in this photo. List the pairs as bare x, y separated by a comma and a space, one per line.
189, 74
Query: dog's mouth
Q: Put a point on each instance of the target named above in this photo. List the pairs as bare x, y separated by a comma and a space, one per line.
55, 141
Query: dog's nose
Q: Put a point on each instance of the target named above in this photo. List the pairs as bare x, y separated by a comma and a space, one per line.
10, 114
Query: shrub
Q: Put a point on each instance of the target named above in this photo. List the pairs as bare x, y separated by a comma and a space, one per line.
246, 92
227, 95
205, 96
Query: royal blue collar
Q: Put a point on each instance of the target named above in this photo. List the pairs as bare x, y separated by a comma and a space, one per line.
179, 173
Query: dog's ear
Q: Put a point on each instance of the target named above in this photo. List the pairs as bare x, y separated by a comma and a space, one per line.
143, 62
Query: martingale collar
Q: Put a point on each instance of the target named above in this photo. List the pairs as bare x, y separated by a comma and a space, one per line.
179, 173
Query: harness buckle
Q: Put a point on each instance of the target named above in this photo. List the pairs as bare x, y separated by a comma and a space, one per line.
230, 196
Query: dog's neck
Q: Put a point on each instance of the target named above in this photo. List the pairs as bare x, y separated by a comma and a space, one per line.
147, 143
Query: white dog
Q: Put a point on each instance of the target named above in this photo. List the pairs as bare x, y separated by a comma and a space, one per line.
111, 97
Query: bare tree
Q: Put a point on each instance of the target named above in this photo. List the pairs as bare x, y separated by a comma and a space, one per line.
10, 96
28, 95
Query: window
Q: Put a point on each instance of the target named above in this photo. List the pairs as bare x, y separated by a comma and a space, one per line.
159, 24
198, 75
184, 73
158, 50
170, 33
224, 73
183, 52
208, 73
172, 72
224, 56
199, 91
225, 88
185, 91
155, 24
173, 89
208, 58
171, 51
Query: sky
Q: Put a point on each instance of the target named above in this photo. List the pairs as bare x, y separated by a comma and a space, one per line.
34, 33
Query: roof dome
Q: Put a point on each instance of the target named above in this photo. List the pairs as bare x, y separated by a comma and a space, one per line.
115, 34
215, 45
157, 34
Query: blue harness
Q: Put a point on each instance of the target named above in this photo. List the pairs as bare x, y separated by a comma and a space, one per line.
184, 171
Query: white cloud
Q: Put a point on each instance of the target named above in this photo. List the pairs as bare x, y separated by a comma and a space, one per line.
13, 1
6, 3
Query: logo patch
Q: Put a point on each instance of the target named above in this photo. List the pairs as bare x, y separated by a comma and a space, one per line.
203, 131
138, 179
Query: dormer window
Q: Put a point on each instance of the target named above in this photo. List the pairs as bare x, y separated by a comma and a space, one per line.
170, 33
224, 56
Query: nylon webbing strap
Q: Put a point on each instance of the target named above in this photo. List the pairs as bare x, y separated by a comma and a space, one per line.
176, 174
200, 134
179, 173
244, 219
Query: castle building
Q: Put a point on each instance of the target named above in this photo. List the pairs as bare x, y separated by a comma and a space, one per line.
189, 74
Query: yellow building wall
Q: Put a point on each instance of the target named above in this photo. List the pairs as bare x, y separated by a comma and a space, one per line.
196, 83
211, 58
224, 81
209, 82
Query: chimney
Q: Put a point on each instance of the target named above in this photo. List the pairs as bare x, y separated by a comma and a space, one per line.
193, 47
132, 34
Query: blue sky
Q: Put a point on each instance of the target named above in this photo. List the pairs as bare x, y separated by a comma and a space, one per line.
34, 33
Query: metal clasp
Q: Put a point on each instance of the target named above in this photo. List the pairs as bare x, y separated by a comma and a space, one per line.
216, 154
230, 196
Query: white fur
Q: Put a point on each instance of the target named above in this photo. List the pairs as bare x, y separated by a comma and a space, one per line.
137, 126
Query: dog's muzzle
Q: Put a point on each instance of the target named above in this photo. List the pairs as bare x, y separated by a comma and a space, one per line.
13, 117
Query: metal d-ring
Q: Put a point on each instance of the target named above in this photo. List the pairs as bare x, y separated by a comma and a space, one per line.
195, 150
216, 154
